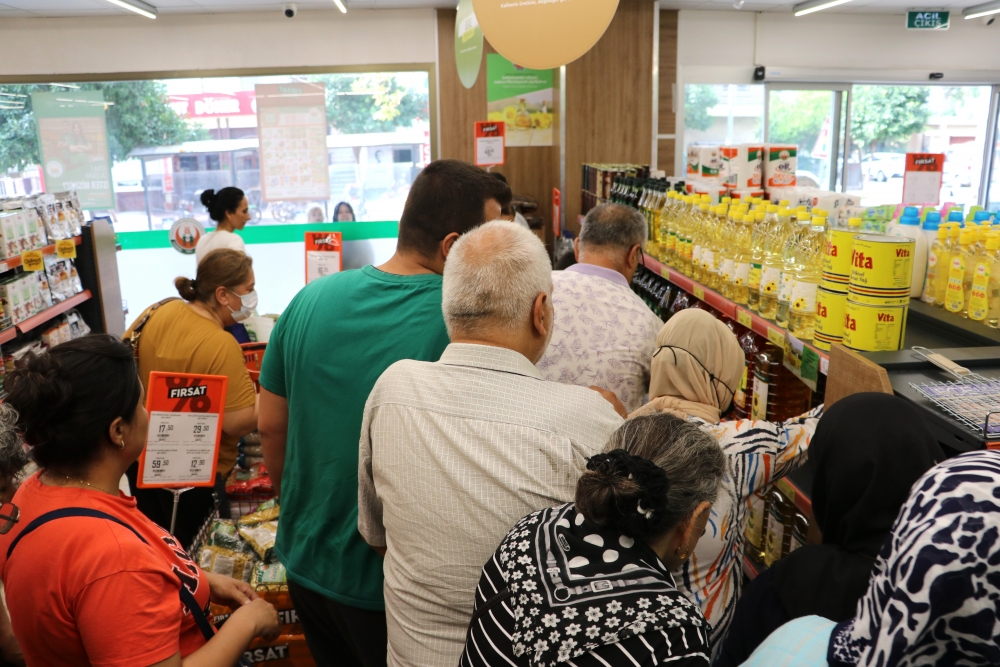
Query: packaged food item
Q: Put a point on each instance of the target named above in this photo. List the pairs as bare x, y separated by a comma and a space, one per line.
267, 511
226, 562
77, 327
12, 301
278, 596
252, 481
268, 575
37, 238
755, 525
11, 247
60, 274
261, 537
223, 534
44, 293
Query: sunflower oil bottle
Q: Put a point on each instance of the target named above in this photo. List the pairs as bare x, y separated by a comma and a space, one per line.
757, 242
698, 242
713, 248
739, 286
668, 238
770, 277
789, 267
684, 221
960, 268
936, 278
728, 243
983, 295
808, 275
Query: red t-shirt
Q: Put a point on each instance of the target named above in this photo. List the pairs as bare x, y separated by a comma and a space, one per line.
86, 591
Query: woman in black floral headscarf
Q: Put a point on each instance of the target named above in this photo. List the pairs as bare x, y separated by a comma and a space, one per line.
590, 582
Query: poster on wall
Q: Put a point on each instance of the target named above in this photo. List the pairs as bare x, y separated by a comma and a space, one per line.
922, 178
468, 44
73, 138
294, 159
522, 99
543, 34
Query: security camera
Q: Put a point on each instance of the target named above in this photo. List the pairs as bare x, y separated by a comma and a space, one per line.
290, 9
988, 20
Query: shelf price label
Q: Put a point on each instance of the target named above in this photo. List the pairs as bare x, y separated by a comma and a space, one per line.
185, 429
776, 336
32, 260
744, 318
66, 249
699, 292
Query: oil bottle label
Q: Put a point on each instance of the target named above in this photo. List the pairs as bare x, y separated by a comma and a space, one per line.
671, 241
770, 280
755, 520
931, 259
696, 255
726, 269
978, 302
804, 297
954, 299
708, 260
741, 394
759, 407
785, 289
741, 274
754, 279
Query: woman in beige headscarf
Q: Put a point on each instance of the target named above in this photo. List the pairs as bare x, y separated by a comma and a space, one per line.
696, 369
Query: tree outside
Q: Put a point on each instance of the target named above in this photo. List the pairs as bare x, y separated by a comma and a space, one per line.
885, 117
363, 103
698, 100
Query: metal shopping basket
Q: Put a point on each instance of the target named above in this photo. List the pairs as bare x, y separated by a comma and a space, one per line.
971, 399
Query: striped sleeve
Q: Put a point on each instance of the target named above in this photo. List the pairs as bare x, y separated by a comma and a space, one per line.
487, 642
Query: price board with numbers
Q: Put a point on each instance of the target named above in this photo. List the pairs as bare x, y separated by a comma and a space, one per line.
490, 143
185, 429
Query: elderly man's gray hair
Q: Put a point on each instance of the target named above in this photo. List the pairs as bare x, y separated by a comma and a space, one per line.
492, 277
613, 226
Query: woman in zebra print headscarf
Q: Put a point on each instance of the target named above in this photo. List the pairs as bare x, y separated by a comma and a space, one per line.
935, 592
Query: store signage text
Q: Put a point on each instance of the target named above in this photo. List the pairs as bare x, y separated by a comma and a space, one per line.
212, 105
923, 20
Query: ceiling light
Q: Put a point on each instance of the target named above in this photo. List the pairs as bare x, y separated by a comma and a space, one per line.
981, 10
137, 6
804, 8
340, 6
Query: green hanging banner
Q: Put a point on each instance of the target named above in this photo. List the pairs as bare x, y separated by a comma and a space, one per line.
468, 44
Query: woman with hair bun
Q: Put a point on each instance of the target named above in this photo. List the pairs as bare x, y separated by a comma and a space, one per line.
189, 336
231, 212
588, 583
89, 580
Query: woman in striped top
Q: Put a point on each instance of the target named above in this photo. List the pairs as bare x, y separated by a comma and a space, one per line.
695, 372
589, 583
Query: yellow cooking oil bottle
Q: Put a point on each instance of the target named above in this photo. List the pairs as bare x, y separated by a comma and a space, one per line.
936, 278
668, 235
661, 244
808, 275
770, 277
696, 240
727, 263
789, 267
760, 233
985, 279
740, 281
993, 289
711, 254
962, 264
680, 225
950, 248
653, 216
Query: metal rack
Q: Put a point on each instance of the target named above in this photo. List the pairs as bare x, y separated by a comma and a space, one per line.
971, 399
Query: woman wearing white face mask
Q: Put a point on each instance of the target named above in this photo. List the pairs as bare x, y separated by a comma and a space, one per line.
189, 336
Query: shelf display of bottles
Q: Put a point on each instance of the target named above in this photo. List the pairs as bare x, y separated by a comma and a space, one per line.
599, 180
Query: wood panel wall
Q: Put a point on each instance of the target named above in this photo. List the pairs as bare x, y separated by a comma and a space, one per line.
531, 170
668, 80
609, 101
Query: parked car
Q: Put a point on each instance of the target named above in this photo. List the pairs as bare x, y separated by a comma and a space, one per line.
883, 166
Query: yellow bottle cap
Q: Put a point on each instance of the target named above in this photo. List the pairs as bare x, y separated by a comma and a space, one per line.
749, 218
783, 202
820, 211
704, 206
992, 242
854, 222
760, 215
942, 233
804, 218
819, 221
727, 200
954, 231
965, 238
772, 209
706, 199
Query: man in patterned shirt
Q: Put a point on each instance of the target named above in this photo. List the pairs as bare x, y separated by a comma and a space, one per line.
604, 334
453, 453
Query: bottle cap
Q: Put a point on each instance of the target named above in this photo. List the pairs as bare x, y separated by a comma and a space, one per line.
703, 206
911, 211
749, 218
760, 215
783, 202
992, 242
773, 209
942, 233
932, 216
965, 238
854, 222
909, 219
955, 215
981, 216
954, 231
727, 200
706, 199
819, 221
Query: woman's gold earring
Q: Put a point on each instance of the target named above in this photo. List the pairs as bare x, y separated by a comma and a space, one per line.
682, 556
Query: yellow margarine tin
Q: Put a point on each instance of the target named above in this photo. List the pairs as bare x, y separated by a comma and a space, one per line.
871, 328
837, 260
830, 309
881, 269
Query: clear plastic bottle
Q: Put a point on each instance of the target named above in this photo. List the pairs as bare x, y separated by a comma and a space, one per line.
713, 252
668, 239
936, 278
740, 279
770, 278
809, 274
993, 290
984, 281
777, 394
727, 263
789, 268
684, 221
960, 270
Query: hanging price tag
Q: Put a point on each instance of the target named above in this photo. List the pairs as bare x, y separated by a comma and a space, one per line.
699, 292
490, 143
185, 429
66, 249
744, 318
776, 336
32, 260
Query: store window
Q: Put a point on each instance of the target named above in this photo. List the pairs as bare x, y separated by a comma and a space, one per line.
723, 114
889, 121
169, 140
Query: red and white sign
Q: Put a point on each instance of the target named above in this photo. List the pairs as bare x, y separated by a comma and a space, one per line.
185, 429
324, 254
215, 105
922, 178
490, 149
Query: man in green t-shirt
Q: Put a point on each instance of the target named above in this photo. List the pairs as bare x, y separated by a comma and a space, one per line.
327, 350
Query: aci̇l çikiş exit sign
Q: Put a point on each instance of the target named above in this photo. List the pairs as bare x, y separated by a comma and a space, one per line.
925, 20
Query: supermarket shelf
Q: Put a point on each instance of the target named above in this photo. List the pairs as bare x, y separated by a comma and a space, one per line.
954, 326
14, 262
744, 316
41, 318
751, 568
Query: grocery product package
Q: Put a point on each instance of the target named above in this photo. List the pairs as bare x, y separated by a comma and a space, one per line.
266, 511
10, 247
259, 328
226, 562
780, 164
261, 537
709, 163
835, 203
693, 165
741, 166
37, 238
795, 195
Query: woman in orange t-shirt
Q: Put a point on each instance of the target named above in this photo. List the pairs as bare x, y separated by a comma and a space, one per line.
108, 588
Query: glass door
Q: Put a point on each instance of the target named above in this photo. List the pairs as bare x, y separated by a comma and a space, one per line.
814, 117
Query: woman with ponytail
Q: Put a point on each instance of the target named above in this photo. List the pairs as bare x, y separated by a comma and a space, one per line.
231, 212
589, 582
89, 580
187, 335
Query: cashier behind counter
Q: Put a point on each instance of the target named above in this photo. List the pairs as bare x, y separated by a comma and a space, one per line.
189, 337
